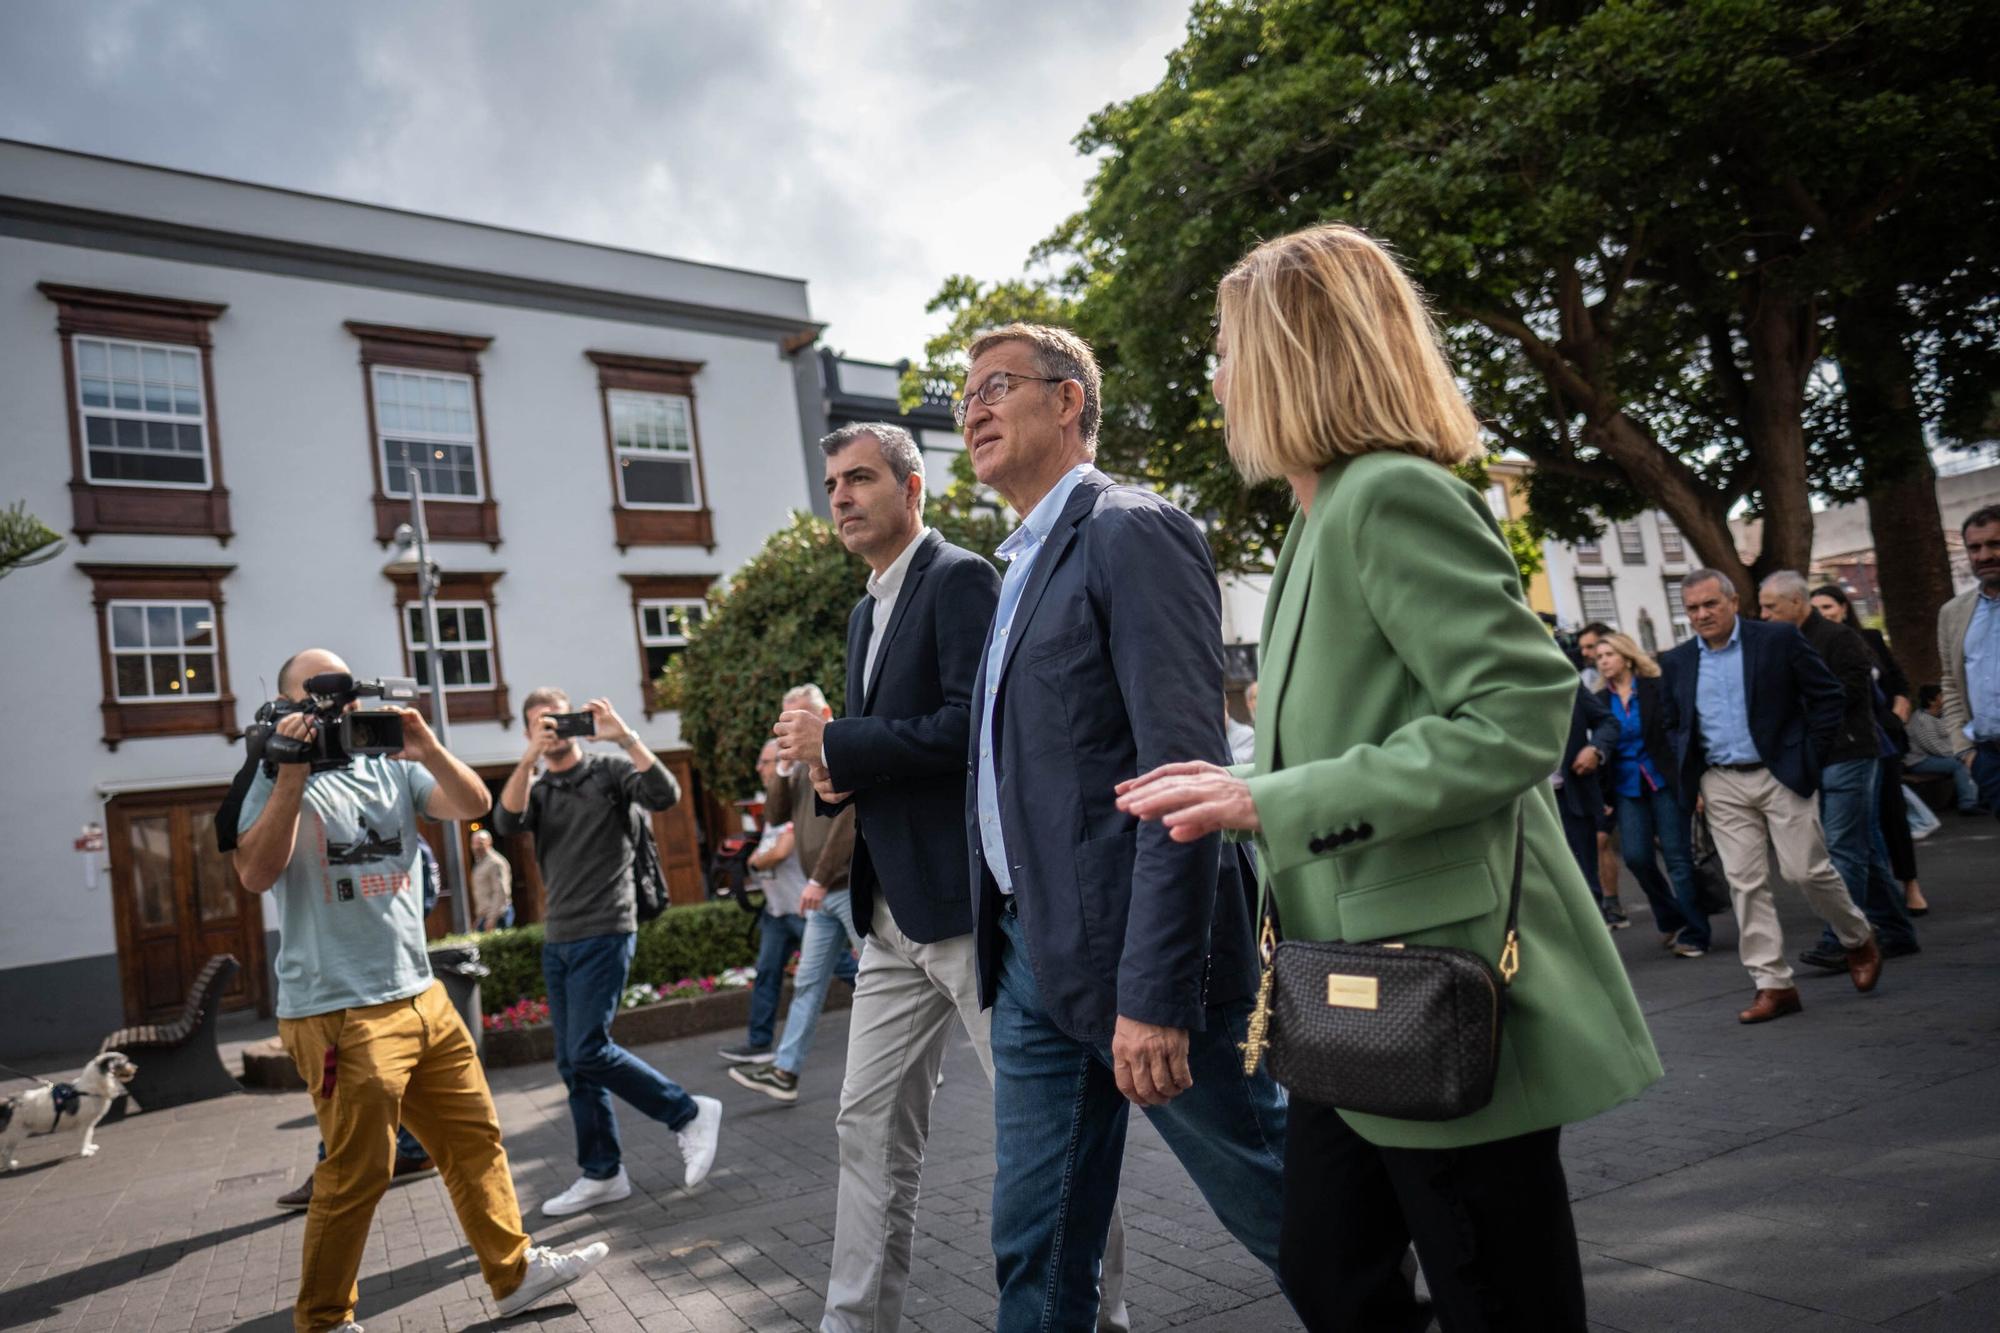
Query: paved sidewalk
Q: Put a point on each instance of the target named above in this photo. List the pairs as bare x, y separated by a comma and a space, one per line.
1836, 1170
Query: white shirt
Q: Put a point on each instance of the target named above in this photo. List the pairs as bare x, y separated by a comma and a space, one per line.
885, 588
1242, 740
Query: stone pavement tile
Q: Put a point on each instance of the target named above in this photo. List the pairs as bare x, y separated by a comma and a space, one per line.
1634, 1297
1973, 1309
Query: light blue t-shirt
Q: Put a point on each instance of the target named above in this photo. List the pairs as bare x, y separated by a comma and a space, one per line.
350, 903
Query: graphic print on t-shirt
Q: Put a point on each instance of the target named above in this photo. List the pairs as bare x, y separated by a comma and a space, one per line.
372, 846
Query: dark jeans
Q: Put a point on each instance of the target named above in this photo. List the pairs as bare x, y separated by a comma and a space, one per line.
780, 939
1986, 772
1491, 1224
1060, 1123
1580, 831
586, 981
1850, 809
1641, 820
407, 1147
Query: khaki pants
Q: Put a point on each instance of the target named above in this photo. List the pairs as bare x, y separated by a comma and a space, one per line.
1752, 814
408, 1062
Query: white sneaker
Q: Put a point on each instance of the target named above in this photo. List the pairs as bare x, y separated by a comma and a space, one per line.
698, 1139
350, 1327
587, 1194
549, 1271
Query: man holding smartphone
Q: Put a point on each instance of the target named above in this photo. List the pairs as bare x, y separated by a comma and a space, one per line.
579, 807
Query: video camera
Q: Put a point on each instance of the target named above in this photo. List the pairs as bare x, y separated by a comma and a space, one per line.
338, 735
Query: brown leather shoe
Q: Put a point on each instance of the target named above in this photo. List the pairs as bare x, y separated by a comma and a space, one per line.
1772, 1004
1865, 965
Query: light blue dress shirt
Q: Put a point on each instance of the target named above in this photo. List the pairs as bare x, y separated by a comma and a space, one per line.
1720, 702
1982, 670
1019, 550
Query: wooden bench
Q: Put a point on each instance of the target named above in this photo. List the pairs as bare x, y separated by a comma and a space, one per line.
178, 1061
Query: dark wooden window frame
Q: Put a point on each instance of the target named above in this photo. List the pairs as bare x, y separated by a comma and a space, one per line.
136, 720
654, 527
97, 506
487, 705
655, 588
448, 519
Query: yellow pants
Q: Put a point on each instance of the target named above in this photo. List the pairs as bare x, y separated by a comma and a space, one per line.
408, 1062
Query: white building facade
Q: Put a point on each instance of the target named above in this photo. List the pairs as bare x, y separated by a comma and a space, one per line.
1629, 579
214, 390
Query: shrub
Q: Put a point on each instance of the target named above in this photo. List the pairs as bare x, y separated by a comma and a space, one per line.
697, 940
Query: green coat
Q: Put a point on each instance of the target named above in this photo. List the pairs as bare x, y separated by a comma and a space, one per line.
1409, 702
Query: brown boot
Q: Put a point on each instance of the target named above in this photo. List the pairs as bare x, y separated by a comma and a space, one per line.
1865, 965
1772, 1004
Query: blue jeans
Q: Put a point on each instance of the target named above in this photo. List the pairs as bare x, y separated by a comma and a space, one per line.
1059, 1130
780, 935
1986, 773
1657, 815
823, 955
1850, 809
1962, 784
586, 981
407, 1147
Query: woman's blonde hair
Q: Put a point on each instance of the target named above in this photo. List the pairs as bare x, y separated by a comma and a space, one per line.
1332, 352
1624, 645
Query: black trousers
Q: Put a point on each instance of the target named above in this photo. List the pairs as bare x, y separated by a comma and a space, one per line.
1895, 816
1580, 831
1491, 1225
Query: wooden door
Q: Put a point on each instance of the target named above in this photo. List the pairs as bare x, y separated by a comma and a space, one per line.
177, 901
678, 835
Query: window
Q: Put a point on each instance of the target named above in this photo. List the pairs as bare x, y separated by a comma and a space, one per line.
652, 435
424, 411
653, 439
663, 607
1590, 552
1673, 550
1677, 612
141, 402
1649, 639
1496, 501
162, 649
425, 422
1598, 603
468, 644
1631, 542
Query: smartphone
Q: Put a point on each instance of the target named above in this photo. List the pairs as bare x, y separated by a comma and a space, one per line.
575, 724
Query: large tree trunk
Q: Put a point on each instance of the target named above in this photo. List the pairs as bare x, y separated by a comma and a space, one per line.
1911, 562
1783, 340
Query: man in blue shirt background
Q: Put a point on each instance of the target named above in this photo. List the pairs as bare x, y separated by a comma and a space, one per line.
1969, 649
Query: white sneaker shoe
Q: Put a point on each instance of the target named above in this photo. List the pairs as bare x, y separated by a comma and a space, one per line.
587, 1194
549, 1271
698, 1139
350, 1327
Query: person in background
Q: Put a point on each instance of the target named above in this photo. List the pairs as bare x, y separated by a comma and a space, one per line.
1649, 809
1609, 849
782, 880
1969, 651
1242, 736
1580, 793
1934, 753
492, 885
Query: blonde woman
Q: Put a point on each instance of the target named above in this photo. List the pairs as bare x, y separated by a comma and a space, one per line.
1642, 788
1415, 710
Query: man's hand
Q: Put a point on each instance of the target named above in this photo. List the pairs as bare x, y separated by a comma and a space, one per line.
1902, 708
814, 895
610, 726
1587, 760
420, 745
1966, 759
801, 736
539, 737
822, 782
1192, 799
1150, 1063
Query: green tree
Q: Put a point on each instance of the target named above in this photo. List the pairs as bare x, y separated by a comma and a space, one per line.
781, 622
25, 540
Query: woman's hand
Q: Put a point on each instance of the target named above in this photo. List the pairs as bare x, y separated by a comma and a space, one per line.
1192, 799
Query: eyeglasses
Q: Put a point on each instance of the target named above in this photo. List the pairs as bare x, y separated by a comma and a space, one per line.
993, 390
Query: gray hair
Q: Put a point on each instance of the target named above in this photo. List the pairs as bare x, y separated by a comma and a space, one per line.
812, 694
899, 449
1060, 355
1696, 577
1788, 584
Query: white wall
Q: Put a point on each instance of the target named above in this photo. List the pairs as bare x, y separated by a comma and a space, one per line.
296, 457
1635, 588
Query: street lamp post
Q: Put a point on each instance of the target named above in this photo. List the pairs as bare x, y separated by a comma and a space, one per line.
427, 586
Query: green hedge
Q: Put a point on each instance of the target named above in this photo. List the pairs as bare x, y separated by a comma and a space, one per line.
698, 940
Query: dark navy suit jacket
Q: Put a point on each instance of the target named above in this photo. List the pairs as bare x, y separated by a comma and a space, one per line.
1793, 701
1113, 666
901, 747
1590, 723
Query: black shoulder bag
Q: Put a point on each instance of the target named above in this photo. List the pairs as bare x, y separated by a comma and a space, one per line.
1408, 1032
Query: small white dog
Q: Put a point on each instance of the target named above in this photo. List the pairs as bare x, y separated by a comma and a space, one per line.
57, 1107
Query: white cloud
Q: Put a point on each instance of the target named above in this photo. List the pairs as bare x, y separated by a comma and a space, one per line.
870, 149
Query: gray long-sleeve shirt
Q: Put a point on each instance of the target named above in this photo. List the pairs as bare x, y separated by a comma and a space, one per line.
581, 819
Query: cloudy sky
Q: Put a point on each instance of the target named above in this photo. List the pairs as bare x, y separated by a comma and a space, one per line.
870, 146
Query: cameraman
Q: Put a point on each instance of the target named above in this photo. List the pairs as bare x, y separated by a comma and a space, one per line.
371, 1032
579, 809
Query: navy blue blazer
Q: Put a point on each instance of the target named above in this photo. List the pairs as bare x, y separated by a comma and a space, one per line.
1113, 666
1590, 723
1793, 701
901, 747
